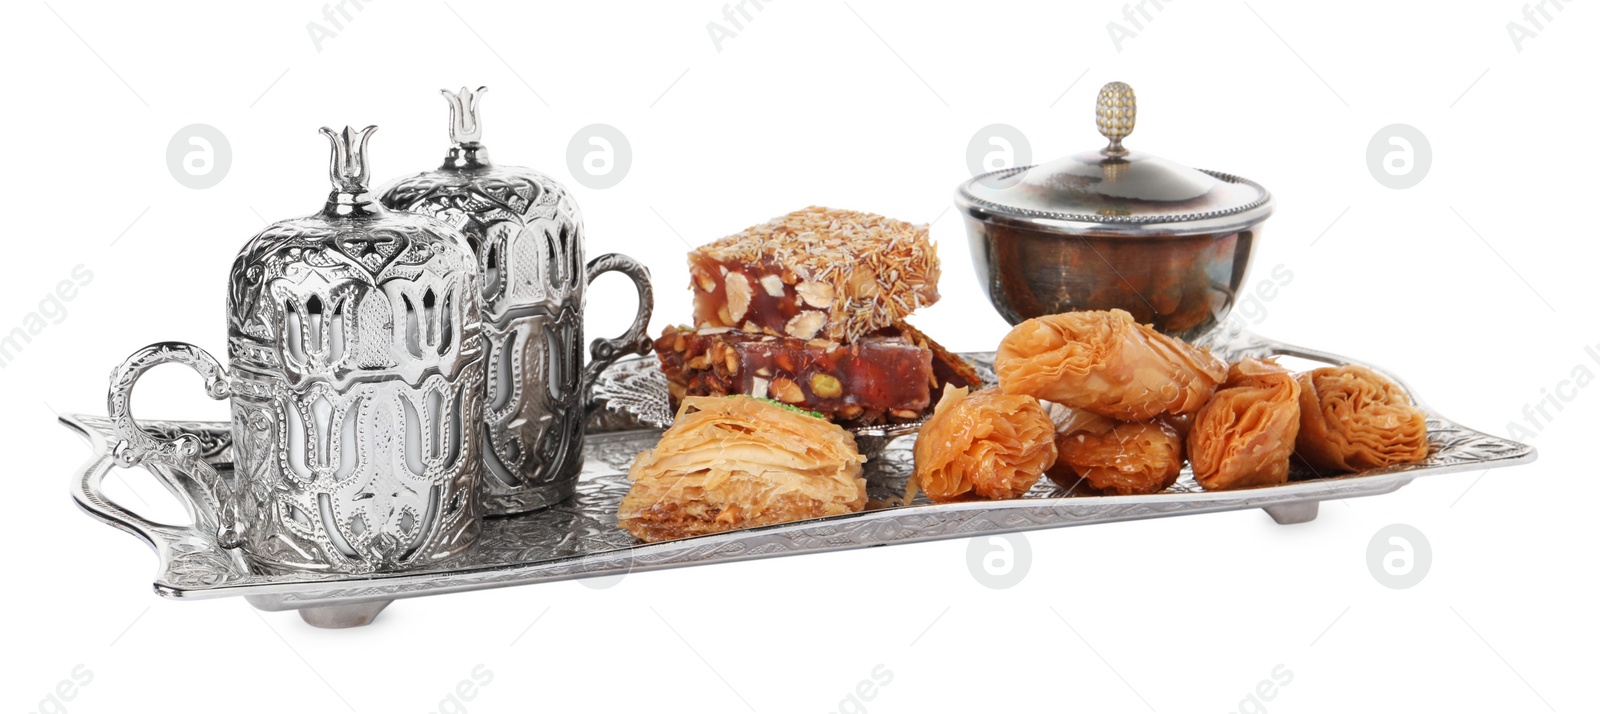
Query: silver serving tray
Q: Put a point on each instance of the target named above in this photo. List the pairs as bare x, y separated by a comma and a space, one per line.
579, 537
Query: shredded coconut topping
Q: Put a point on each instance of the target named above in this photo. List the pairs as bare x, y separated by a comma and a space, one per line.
880, 269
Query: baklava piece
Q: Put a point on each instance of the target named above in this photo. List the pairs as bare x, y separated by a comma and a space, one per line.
738, 462
1243, 437
986, 444
1117, 458
1104, 362
817, 272
1352, 418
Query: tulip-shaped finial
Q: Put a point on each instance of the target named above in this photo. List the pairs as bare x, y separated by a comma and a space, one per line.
347, 161
466, 127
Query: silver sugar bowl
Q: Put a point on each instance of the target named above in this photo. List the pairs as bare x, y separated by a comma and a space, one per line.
356, 385
527, 235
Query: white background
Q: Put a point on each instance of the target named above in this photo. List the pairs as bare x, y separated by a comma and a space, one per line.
1477, 285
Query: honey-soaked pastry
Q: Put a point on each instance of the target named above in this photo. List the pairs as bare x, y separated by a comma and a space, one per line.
740, 462
1118, 458
1243, 437
1181, 424
1104, 362
1352, 418
816, 272
986, 444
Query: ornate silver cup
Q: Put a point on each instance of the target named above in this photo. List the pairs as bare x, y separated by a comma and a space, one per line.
356, 385
527, 234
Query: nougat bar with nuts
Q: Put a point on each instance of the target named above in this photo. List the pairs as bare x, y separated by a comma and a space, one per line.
882, 377
815, 273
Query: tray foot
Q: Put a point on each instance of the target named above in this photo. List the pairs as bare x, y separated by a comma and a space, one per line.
337, 616
1288, 514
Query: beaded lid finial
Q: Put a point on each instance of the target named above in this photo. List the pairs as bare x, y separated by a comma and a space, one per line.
1114, 114
466, 126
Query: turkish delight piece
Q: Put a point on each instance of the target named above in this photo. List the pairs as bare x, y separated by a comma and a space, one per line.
817, 272
879, 378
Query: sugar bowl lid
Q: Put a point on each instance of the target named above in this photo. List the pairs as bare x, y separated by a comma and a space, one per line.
1116, 191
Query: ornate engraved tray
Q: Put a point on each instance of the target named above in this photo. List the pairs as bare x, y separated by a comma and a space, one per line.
579, 537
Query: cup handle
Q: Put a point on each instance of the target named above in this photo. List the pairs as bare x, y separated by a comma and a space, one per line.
182, 454
602, 352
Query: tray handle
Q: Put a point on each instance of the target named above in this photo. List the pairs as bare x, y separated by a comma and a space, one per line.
90, 496
603, 352
136, 447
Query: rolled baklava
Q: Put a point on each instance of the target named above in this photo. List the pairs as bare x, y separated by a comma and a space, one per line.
1104, 362
1244, 436
1352, 418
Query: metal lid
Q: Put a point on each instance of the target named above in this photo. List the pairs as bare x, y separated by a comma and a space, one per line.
1115, 191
